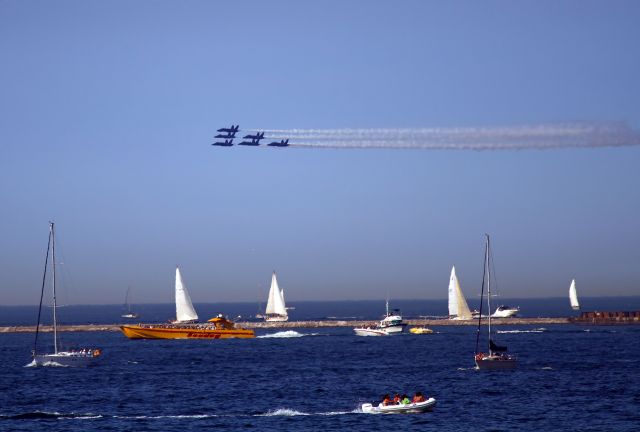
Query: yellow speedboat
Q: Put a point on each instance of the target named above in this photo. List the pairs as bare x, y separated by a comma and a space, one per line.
216, 328
420, 330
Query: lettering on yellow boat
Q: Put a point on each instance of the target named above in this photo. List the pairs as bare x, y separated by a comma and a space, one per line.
203, 335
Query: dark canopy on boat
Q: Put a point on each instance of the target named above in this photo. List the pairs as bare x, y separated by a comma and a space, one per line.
495, 347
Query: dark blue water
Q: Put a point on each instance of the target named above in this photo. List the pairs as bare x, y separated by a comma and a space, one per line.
569, 378
309, 310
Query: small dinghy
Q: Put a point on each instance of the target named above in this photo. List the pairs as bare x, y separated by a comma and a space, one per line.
412, 408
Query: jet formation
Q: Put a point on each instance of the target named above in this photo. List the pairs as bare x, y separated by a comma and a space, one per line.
229, 134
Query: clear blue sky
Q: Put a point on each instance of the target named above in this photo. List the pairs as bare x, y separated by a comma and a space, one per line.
107, 110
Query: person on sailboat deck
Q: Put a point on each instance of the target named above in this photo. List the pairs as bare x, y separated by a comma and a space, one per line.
418, 398
386, 400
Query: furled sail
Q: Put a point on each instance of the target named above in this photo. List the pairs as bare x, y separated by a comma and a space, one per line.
275, 303
496, 348
457, 304
184, 307
573, 296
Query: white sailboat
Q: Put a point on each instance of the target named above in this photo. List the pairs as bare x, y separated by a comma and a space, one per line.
74, 357
276, 309
185, 313
497, 358
458, 307
573, 296
127, 307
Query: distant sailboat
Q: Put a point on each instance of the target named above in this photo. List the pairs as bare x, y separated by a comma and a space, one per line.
573, 296
276, 309
185, 313
458, 307
497, 358
76, 357
127, 307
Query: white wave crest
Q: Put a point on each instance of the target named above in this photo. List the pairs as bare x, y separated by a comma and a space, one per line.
180, 416
540, 330
287, 334
45, 364
283, 412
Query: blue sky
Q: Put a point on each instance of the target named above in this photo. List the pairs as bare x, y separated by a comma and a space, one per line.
107, 110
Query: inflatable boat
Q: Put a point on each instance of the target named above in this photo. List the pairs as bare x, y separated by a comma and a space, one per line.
418, 407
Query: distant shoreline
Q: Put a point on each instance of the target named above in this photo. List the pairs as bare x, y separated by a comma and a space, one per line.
299, 324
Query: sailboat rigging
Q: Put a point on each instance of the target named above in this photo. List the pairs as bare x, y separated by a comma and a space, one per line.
127, 307
76, 357
497, 358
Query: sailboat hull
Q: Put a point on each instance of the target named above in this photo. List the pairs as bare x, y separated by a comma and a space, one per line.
179, 332
496, 363
69, 359
276, 318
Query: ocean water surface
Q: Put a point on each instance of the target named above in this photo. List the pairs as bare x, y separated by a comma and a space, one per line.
570, 377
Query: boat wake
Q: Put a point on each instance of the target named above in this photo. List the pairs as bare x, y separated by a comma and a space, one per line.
160, 417
287, 334
283, 412
286, 412
43, 415
45, 364
538, 330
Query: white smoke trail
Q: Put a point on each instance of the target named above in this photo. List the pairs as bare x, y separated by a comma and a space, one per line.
542, 136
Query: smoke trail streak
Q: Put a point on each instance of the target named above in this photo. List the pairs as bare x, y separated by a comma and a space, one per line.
543, 136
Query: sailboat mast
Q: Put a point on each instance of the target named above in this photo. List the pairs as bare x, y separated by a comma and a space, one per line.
44, 280
488, 289
53, 264
484, 277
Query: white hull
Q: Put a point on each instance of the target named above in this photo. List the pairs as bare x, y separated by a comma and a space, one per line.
70, 359
506, 312
370, 332
129, 316
276, 318
411, 408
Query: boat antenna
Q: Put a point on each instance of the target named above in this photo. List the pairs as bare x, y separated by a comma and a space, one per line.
484, 274
44, 279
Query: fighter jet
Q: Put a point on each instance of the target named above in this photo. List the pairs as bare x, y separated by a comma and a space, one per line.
228, 135
226, 143
282, 143
233, 129
252, 143
257, 136
255, 139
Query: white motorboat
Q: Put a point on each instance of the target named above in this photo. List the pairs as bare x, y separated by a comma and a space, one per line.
504, 311
497, 357
458, 307
276, 309
390, 324
412, 408
370, 331
76, 357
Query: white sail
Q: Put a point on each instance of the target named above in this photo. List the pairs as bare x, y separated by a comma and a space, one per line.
184, 307
457, 303
275, 303
573, 296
